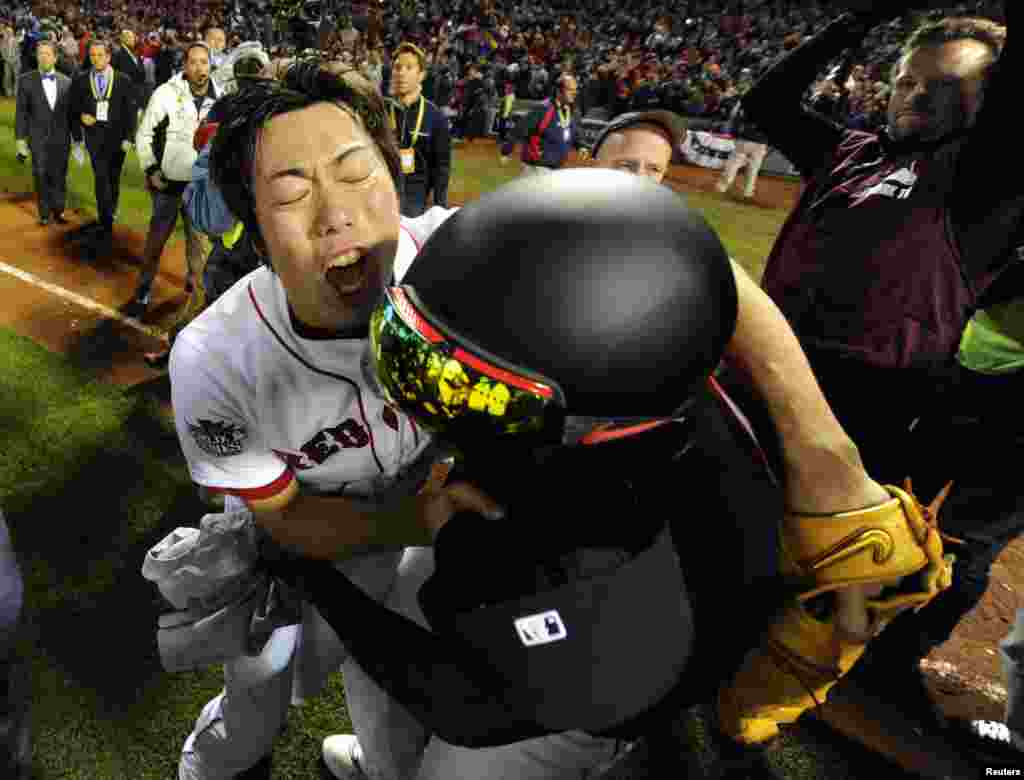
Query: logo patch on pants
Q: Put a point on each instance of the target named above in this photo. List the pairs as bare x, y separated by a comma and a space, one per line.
540, 629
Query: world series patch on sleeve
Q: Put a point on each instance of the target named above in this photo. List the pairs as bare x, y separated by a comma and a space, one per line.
806, 651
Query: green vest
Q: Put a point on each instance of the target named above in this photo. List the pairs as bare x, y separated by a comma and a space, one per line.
993, 341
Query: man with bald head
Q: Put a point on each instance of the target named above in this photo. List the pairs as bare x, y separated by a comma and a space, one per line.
641, 142
549, 132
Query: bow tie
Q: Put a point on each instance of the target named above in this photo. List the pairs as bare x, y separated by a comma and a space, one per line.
49, 77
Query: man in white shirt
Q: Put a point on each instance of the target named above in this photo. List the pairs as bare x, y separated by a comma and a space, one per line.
272, 401
166, 155
42, 131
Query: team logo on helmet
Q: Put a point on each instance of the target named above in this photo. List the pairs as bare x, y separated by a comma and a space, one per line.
218, 438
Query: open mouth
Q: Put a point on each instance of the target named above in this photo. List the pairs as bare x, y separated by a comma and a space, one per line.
347, 272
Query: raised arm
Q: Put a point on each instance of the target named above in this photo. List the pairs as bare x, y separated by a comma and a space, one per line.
985, 208
774, 104
822, 469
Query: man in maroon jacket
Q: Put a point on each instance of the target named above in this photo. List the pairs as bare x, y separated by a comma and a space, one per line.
894, 240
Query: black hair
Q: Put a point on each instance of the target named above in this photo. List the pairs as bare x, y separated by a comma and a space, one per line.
304, 84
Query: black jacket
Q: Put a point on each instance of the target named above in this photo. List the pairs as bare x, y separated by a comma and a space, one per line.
35, 121
455, 690
433, 147
131, 66
103, 137
166, 63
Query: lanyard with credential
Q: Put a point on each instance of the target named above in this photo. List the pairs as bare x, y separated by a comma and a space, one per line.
419, 123
110, 86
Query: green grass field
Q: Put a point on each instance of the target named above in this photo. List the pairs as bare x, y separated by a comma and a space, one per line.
90, 477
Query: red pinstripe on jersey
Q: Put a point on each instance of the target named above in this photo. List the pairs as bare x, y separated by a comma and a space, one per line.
409, 233
314, 369
260, 493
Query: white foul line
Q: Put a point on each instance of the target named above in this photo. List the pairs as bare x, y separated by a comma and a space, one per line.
80, 300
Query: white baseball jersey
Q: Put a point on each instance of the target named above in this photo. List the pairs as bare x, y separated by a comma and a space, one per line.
255, 402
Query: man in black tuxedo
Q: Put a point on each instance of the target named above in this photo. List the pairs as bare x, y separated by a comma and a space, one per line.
41, 131
102, 111
125, 61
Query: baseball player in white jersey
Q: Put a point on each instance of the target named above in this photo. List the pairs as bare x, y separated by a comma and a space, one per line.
273, 407
261, 402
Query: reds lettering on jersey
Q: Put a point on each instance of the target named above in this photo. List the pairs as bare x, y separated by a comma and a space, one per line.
256, 403
350, 433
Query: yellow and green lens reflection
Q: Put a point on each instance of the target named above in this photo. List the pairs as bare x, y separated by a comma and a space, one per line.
438, 388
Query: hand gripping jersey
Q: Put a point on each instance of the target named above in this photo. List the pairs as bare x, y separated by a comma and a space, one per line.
254, 402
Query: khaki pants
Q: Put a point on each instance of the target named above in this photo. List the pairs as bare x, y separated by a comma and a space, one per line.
749, 155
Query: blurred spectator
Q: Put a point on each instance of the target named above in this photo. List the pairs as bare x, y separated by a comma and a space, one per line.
10, 58
126, 62
69, 50
443, 82
508, 101
749, 153
168, 60
84, 37
349, 36
549, 132
645, 89
422, 134
217, 42
474, 105
373, 70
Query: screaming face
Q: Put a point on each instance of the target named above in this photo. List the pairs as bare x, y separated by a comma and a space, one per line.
328, 214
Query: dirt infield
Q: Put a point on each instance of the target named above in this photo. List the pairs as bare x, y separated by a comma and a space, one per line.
964, 674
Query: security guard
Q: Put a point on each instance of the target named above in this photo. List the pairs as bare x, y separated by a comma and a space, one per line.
421, 130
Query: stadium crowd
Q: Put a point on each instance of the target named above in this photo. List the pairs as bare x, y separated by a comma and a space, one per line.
472, 61
695, 58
